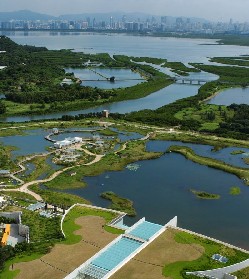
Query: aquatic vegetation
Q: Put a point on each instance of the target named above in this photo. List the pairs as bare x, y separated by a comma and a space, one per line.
133, 167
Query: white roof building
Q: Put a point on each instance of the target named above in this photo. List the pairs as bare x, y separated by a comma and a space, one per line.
67, 142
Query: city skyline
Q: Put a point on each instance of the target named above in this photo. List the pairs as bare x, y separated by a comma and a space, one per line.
209, 9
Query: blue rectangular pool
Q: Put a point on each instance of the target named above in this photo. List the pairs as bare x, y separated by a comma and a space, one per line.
145, 230
116, 253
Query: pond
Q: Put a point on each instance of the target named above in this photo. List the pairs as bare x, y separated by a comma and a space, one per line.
96, 77
33, 141
160, 190
223, 155
231, 96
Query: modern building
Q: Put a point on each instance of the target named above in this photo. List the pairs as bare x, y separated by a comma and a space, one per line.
105, 113
4, 173
67, 142
16, 232
2, 201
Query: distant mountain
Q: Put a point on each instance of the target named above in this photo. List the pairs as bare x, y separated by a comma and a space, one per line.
24, 15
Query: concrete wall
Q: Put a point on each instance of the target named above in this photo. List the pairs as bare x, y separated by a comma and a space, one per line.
172, 223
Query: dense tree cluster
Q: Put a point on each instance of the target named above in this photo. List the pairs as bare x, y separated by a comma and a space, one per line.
2, 108
238, 126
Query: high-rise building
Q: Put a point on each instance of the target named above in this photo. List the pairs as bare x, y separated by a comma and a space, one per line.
164, 19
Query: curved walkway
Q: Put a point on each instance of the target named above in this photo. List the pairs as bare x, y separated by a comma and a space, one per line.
24, 187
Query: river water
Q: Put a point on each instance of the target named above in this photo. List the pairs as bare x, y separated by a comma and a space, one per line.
231, 96
160, 190
173, 49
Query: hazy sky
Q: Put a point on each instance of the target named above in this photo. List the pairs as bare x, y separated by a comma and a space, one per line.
209, 9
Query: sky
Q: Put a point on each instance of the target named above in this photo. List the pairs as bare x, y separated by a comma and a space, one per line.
216, 10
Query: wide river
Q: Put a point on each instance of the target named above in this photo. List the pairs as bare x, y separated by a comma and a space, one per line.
173, 49
160, 188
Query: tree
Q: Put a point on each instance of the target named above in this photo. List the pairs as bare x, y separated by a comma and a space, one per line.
2, 108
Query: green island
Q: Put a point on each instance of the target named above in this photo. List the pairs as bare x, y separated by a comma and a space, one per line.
237, 152
235, 191
205, 195
246, 160
119, 203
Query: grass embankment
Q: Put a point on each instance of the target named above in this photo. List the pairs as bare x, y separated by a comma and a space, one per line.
242, 274
141, 90
177, 67
237, 152
69, 226
239, 61
134, 151
5, 157
217, 142
119, 203
189, 154
177, 270
41, 168
108, 133
227, 74
204, 195
61, 199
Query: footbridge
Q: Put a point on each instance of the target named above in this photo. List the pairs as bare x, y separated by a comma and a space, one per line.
192, 81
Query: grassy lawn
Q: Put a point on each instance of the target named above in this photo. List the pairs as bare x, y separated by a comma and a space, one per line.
177, 270
7, 273
209, 115
69, 226
242, 274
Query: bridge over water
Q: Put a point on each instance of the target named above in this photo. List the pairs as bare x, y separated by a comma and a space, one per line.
193, 81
